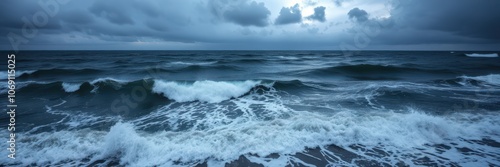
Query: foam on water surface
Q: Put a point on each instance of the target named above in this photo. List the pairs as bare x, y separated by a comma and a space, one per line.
482, 55
205, 91
210, 132
71, 87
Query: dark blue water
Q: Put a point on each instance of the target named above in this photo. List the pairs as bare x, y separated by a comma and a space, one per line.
271, 108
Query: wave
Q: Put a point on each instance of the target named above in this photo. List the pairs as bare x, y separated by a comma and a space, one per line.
205, 91
381, 138
108, 80
492, 79
289, 57
105, 84
474, 81
482, 55
192, 68
193, 63
369, 68
4, 74
59, 72
243, 61
374, 72
71, 87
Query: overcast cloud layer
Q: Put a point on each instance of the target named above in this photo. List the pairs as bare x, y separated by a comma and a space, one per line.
250, 24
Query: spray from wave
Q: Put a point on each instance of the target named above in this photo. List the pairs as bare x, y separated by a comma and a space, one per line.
205, 91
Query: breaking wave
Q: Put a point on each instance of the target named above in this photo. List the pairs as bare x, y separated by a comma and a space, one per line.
482, 55
205, 91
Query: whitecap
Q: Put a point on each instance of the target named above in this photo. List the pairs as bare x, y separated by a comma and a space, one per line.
205, 91
108, 79
482, 55
493, 79
399, 133
193, 63
71, 87
4, 74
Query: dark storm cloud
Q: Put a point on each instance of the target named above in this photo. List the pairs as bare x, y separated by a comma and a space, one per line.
113, 12
242, 23
15, 14
111, 20
438, 22
477, 19
359, 15
339, 2
158, 26
319, 14
78, 17
289, 15
248, 14
148, 9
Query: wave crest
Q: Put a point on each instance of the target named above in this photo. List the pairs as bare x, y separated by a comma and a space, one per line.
492, 79
205, 91
71, 87
482, 55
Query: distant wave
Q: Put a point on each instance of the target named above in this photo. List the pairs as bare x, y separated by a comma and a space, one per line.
373, 72
205, 91
243, 60
199, 67
52, 72
370, 68
193, 63
288, 57
482, 55
492, 79
71, 87
108, 79
4, 74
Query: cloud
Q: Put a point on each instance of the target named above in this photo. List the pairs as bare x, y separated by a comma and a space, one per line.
289, 15
245, 24
319, 14
431, 23
359, 14
339, 2
157, 26
251, 14
314, 30
112, 12
310, 2
77, 17
462, 17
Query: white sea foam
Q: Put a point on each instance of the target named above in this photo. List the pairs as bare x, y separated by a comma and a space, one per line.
205, 91
263, 125
118, 83
482, 55
288, 57
224, 143
108, 79
71, 87
493, 79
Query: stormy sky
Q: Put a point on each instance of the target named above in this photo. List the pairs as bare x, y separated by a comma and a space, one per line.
250, 24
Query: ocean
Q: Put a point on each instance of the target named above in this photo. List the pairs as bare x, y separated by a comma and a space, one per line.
254, 108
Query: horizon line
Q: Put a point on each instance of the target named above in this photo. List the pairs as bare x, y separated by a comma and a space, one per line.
368, 50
